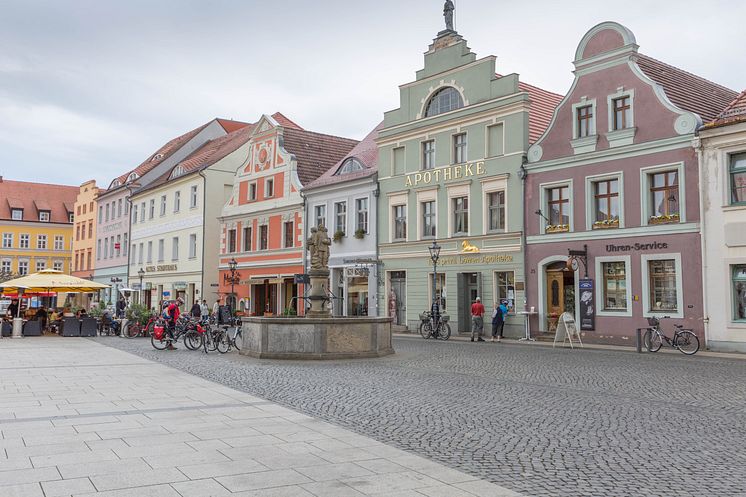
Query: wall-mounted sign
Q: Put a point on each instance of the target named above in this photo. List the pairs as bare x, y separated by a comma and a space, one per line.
473, 259
587, 305
635, 247
468, 248
302, 279
448, 173
180, 285
163, 268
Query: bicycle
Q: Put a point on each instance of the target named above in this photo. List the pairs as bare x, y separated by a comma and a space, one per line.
684, 340
183, 327
135, 329
225, 341
429, 329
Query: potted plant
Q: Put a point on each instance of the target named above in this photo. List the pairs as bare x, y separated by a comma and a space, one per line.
338, 235
360, 233
289, 312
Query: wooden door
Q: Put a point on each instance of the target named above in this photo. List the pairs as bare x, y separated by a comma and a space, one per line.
555, 293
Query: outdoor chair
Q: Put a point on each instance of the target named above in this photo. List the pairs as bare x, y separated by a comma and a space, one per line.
32, 328
7, 328
70, 327
88, 327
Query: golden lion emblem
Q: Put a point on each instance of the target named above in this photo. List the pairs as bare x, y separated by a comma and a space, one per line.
468, 248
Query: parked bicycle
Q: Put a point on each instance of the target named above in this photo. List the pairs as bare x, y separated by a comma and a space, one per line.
135, 329
430, 329
184, 327
229, 337
683, 339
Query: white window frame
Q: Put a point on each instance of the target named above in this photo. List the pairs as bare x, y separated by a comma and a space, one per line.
27, 240
251, 192
590, 196
422, 154
134, 213
8, 237
41, 242
28, 266
267, 183
177, 201
151, 212
466, 147
543, 199
164, 202
193, 197
315, 208
58, 265
456, 191
175, 248
59, 242
141, 255
337, 215
511, 310
645, 208
621, 93
15, 216
399, 198
627, 260
594, 128
44, 217
646, 313
41, 265
142, 212
493, 186
430, 195
6, 266
367, 214
150, 252
259, 237
193, 246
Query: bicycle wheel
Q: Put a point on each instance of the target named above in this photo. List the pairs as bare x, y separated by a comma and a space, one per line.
425, 329
222, 342
238, 340
192, 340
653, 341
159, 344
213, 342
133, 329
444, 331
687, 342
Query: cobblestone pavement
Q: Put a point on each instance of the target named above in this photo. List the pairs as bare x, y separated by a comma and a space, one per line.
536, 420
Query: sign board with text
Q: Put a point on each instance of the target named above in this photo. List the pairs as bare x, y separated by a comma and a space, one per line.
587, 305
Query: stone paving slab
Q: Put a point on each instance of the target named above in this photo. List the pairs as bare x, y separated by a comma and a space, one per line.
81, 419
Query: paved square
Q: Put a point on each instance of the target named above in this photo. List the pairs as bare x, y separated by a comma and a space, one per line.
78, 418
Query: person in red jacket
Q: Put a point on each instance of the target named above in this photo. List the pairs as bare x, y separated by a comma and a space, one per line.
477, 320
173, 312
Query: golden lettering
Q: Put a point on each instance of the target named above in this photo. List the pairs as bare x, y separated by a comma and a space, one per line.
409, 181
427, 177
480, 168
446, 174
468, 171
457, 172
417, 179
437, 175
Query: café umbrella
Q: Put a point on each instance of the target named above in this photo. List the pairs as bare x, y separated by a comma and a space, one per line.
50, 280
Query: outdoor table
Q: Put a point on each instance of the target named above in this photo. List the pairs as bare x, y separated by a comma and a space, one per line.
527, 325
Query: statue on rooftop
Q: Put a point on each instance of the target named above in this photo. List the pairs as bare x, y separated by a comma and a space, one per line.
448, 14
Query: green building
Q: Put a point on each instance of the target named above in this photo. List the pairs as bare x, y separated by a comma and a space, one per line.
450, 162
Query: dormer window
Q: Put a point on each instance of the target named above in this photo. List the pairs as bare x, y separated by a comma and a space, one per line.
16, 214
178, 171
444, 100
116, 183
132, 177
71, 217
44, 216
156, 157
350, 165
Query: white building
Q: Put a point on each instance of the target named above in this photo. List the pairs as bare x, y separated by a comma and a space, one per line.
722, 155
345, 198
174, 231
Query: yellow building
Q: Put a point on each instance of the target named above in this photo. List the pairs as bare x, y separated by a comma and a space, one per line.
84, 236
36, 227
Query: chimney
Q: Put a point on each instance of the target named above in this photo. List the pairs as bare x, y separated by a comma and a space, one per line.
1, 178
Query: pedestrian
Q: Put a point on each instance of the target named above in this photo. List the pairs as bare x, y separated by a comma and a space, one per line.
216, 307
41, 315
172, 311
12, 311
477, 320
204, 309
196, 310
121, 304
498, 322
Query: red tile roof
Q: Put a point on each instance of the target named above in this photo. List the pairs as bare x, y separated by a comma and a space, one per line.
366, 152
315, 152
541, 108
686, 90
734, 113
230, 126
58, 199
283, 121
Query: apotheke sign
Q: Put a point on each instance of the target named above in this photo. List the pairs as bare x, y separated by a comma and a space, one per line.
474, 259
446, 174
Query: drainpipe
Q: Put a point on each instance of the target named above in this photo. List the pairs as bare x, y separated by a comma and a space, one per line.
204, 219
697, 143
304, 220
523, 175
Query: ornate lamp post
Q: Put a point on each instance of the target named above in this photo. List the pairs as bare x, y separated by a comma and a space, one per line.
434, 256
232, 264
141, 274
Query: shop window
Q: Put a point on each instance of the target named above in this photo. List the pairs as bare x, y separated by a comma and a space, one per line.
428, 154
606, 203
428, 219
289, 231
441, 292
444, 100
558, 208
496, 211
614, 286
340, 218
738, 178
231, 241
361, 210
247, 238
664, 197
461, 216
505, 288
263, 237
459, 148
739, 293
662, 287
400, 222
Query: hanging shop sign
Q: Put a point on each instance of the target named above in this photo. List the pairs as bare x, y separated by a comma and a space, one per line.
587, 305
443, 174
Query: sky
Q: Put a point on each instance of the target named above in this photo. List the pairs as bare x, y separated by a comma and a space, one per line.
89, 89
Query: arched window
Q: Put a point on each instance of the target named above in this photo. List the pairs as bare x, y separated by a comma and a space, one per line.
178, 171
132, 177
350, 165
116, 183
444, 100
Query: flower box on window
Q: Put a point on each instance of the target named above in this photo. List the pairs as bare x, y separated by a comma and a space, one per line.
606, 224
558, 228
664, 219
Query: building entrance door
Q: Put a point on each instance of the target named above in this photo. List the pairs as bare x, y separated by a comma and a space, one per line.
469, 288
260, 299
560, 293
398, 302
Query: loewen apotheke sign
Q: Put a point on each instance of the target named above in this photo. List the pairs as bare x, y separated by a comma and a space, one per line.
445, 174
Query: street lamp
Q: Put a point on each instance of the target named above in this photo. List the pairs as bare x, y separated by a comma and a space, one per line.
434, 256
232, 264
141, 274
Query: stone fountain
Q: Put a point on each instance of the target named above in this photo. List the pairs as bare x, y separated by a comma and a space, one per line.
318, 335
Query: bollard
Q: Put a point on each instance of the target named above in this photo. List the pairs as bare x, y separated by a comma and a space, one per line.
639, 340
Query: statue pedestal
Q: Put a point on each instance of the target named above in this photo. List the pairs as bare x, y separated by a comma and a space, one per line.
318, 295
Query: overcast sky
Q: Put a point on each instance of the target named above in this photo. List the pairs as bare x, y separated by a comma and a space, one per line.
89, 89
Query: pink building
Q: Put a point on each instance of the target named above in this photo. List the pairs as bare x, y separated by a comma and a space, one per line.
615, 176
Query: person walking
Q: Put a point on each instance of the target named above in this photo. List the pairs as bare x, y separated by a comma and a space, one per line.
196, 310
173, 312
121, 305
498, 322
477, 320
216, 307
204, 309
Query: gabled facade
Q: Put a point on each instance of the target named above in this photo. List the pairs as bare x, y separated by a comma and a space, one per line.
616, 175
344, 200
449, 159
84, 241
113, 218
174, 236
36, 227
262, 222
722, 153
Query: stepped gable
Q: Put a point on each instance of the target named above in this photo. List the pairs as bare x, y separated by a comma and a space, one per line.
36, 197
315, 152
366, 152
686, 90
